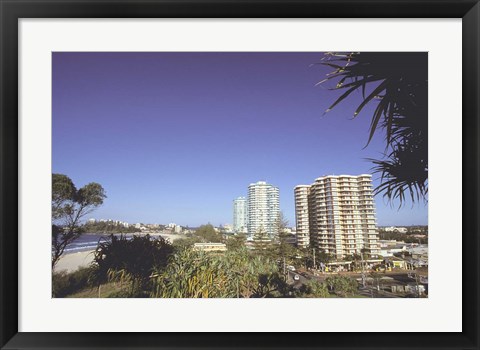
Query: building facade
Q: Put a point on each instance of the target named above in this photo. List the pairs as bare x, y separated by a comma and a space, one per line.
240, 215
263, 204
341, 214
301, 216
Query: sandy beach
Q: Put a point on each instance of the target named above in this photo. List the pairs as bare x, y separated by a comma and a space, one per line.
73, 261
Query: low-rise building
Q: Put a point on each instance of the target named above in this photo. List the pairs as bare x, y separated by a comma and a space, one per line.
210, 247
395, 229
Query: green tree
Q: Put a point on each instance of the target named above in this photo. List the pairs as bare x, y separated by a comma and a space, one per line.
108, 227
342, 285
306, 258
314, 289
185, 243
236, 242
284, 249
208, 234
262, 244
69, 206
320, 256
131, 260
397, 84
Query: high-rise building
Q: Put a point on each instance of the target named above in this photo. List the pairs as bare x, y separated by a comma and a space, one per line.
263, 208
240, 215
341, 214
302, 234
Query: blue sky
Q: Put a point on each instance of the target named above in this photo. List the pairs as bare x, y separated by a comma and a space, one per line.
175, 137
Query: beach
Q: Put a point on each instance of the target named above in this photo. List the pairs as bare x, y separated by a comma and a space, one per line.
73, 261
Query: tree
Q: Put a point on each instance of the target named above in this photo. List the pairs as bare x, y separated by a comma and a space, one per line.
262, 244
69, 206
314, 289
398, 84
236, 242
208, 234
108, 227
324, 257
342, 285
185, 243
131, 259
285, 249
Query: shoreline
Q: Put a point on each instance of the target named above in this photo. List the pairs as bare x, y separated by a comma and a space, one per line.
71, 262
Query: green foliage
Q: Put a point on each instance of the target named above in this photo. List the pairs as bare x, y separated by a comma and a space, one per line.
321, 256
236, 242
342, 285
262, 244
131, 261
64, 283
397, 84
185, 243
352, 257
407, 238
313, 289
107, 227
63, 191
283, 249
306, 255
69, 206
195, 274
208, 234
125, 293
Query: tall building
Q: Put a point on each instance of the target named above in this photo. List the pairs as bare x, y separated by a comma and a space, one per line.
240, 215
263, 208
341, 214
301, 216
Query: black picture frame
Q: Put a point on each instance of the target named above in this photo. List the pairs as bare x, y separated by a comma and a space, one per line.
12, 10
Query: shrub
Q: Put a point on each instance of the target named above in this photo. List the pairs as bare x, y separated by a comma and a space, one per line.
314, 289
64, 284
342, 285
194, 274
131, 260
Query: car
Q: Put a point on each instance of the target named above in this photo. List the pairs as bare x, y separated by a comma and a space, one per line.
296, 277
291, 268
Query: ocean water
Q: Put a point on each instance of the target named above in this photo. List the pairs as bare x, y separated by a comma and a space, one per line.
87, 242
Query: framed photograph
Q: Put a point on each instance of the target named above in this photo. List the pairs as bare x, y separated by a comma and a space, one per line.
239, 174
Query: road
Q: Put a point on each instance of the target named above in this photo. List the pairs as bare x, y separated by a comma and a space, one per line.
300, 282
374, 287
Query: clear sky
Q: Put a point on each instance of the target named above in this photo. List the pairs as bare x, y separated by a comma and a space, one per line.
175, 137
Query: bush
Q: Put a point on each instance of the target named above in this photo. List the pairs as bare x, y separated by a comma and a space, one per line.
181, 244
194, 274
131, 260
314, 289
64, 284
342, 285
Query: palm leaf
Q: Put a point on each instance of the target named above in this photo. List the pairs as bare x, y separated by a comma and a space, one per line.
374, 93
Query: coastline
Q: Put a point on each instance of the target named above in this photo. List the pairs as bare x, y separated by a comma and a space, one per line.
73, 261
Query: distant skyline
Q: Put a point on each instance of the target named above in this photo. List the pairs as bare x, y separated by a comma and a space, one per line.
176, 137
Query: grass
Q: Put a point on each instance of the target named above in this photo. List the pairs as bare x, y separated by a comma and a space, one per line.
108, 290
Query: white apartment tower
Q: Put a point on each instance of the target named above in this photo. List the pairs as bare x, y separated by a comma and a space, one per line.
263, 208
301, 215
341, 214
240, 215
